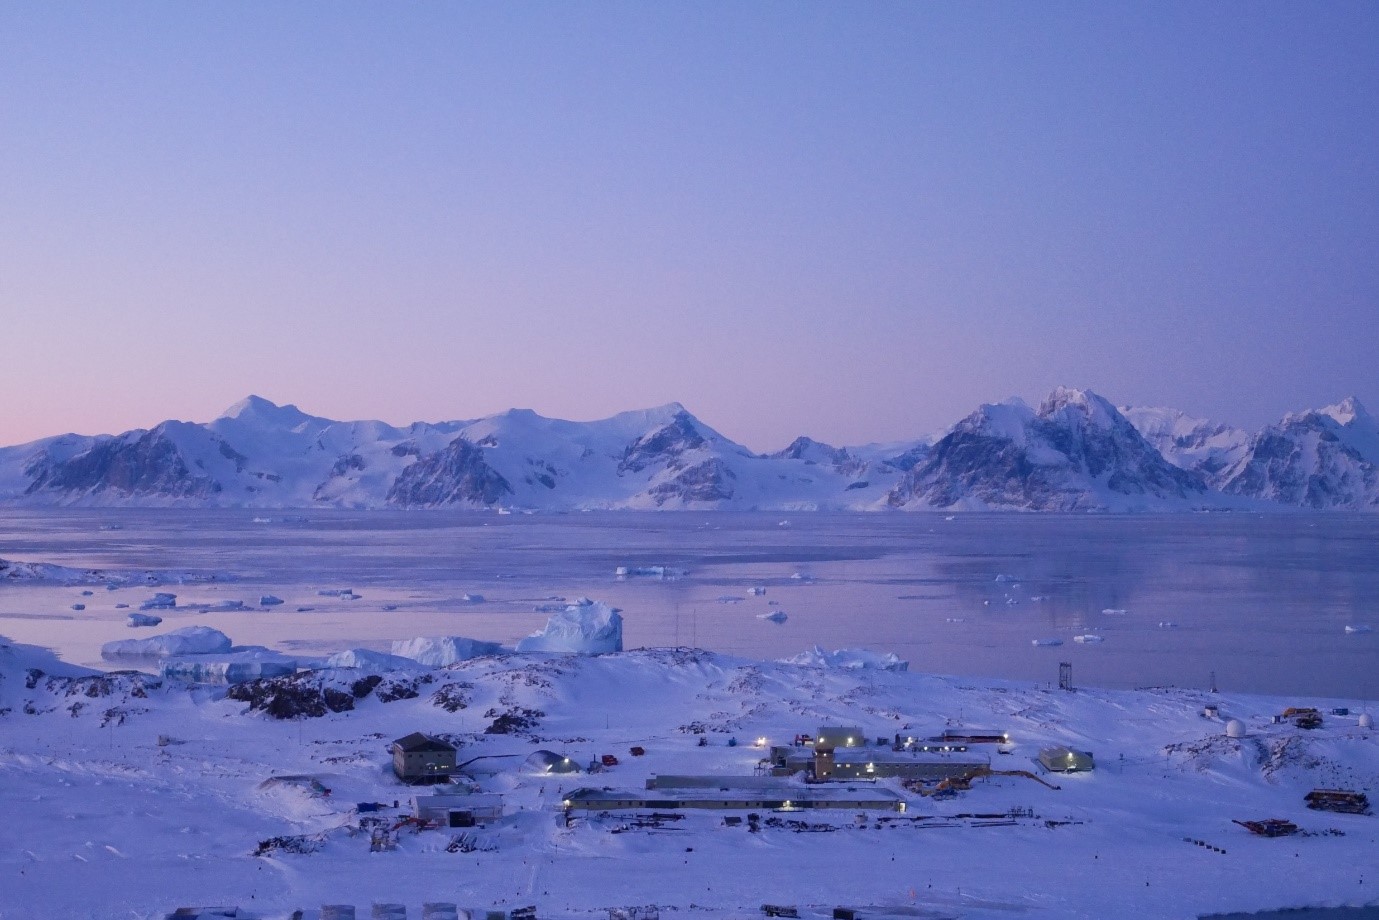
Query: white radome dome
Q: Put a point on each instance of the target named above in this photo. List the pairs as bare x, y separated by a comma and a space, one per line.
1235, 729
1366, 720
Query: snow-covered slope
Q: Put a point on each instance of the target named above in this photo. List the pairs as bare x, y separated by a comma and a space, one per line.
1324, 459
1075, 453
1202, 446
126, 795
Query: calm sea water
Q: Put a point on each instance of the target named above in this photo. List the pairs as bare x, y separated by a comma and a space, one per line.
1259, 601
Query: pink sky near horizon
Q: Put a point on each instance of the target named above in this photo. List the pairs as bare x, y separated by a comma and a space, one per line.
855, 223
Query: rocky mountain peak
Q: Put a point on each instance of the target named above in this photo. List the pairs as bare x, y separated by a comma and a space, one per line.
1348, 411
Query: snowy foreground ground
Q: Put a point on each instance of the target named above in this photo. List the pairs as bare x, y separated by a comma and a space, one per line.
100, 820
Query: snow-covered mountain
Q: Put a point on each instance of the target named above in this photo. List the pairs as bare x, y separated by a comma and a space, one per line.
1202, 446
1075, 453
258, 454
1324, 459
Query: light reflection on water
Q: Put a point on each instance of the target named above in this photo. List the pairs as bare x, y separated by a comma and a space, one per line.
1260, 600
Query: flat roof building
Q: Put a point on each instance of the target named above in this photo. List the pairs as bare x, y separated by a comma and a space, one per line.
779, 797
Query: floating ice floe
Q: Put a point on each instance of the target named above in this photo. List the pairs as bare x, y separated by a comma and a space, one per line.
585, 627
729, 599
443, 651
78, 606
368, 660
756, 591
850, 659
647, 571
1046, 643
268, 600
190, 640
160, 601
143, 619
346, 594
1360, 628
472, 598
956, 620
775, 616
1004, 578
121, 606
1114, 611
1088, 638
1167, 624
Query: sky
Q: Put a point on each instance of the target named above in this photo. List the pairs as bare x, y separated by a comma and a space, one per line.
855, 221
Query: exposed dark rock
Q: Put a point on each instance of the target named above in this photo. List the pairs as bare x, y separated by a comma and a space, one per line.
137, 463
452, 697
512, 721
663, 444
458, 475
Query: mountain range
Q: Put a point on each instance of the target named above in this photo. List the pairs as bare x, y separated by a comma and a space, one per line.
1074, 452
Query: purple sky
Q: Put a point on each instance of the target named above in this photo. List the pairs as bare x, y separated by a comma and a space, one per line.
854, 221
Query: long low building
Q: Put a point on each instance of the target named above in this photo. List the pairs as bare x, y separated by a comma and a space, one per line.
458, 810
779, 797
873, 763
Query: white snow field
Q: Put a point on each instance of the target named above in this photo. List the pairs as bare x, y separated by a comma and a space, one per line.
129, 796
126, 794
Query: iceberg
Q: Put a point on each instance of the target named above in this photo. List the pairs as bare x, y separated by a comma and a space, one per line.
1088, 638
443, 651
236, 670
1047, 643
190, 640
269, 600
775, 616
850, 659
160, 601
368, 660
584, 628
143, 619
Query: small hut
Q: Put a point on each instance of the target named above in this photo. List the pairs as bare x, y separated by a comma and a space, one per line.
544, 761
1066, 760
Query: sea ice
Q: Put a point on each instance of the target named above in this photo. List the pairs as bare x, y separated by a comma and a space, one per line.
269, 600
143, 619
1361, 628
1048, 643
1088, 638
189, 640
443, 651
160, 601
775, 616
585, 627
